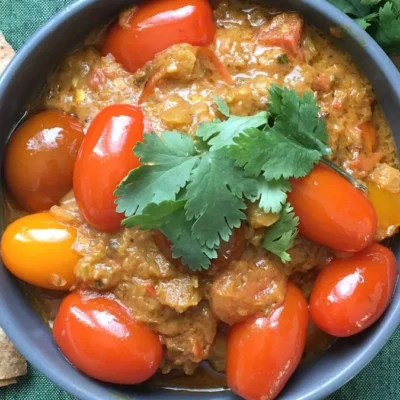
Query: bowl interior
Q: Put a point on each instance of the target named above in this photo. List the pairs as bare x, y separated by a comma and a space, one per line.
23, 81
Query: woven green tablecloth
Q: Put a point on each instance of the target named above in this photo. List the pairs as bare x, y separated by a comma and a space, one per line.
379, 381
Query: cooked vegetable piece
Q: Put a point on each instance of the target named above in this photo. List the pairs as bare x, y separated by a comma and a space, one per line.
101, 338
156, 25
332, 211
285, 31
38, 249
369, 136
40, 159
350, 295
263, 352
104, 159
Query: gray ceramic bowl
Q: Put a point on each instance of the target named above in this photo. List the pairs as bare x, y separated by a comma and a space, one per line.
22, 82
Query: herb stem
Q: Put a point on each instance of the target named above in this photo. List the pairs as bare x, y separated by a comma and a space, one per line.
345, 175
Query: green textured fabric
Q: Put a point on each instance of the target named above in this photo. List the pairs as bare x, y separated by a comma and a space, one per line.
379, 381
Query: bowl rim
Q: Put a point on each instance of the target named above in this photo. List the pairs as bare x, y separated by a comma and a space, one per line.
386, 326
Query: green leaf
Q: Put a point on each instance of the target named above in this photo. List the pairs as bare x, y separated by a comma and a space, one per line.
215, 197
272, 194
221, 134
387, 33
169, 218
222, 106
154, 216
172, 157
297, 117
367, 21
272, 154
356, 8
280, 236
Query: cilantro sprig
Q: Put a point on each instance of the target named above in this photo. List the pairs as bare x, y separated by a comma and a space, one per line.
196, 190
381, 19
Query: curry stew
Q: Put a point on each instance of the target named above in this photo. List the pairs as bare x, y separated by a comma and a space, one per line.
136, 309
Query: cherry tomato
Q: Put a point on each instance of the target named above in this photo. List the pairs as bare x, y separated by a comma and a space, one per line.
350, 295
262, 353
228, 252
38, 249
40, 159
332, 211
104, 159
99, 337
156, 25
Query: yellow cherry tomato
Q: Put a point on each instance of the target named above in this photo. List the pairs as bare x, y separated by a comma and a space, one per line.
387, 207
38, 249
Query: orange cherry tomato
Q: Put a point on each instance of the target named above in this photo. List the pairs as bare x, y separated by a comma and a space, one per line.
40, 159
99, 337
262, 353
332, 211
350, 295
38, 250
228, 252
104, 159
156, 25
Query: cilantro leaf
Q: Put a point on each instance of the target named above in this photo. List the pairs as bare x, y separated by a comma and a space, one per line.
223, 108
297, 117
280, 236
169, 218
171, 159
272, 154
272, 194
367, 21
220, 134
356, 8
387, 33
154, 216
215, 197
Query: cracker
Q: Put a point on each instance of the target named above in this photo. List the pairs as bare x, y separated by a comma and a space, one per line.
6, 382
12, 364
6, 53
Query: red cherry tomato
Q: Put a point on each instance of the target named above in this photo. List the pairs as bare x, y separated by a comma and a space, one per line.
40, 159
262, 353
156, 25
228, 252
350, 295
332, 211
104, 159
99, 337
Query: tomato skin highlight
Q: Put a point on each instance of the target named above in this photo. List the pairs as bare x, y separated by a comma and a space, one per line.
40, 158
105, 158
350, 295
99, 337
38, 249
262, 353
332, 211
156, 25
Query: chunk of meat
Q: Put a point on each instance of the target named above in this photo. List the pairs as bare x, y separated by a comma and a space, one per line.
179, 293
253, 285
285, 31
188, 338
307, 255
185, 63
386, 177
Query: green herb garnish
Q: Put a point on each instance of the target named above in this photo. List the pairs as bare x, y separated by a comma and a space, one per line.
381, 19
194, 190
